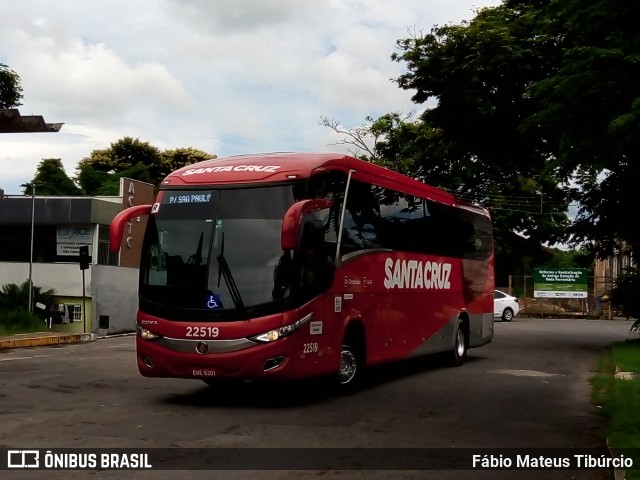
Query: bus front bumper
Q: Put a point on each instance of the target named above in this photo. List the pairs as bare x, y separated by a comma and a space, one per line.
241, 360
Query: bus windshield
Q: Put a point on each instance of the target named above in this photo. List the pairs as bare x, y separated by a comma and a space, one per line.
215, 250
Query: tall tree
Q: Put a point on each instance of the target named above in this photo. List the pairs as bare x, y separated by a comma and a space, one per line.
100, 172
589, 109
471, 142
51, 179
545, 96
10, 88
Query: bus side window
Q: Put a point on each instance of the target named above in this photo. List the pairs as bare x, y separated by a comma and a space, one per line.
361, 220
329, 185
394, 231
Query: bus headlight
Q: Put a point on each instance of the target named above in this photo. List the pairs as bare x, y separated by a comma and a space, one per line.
273, 335
147, 334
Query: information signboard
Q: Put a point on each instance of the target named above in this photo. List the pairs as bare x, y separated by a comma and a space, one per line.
70, 239
560, 282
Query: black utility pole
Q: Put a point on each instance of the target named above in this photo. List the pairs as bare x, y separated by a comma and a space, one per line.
84, 264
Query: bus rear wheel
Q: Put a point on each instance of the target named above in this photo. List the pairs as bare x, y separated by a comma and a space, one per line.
459, 354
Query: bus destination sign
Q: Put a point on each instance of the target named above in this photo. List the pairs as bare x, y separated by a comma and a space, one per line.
185, 197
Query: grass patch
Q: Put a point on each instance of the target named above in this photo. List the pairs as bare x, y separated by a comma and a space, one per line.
620, 400
19, 321
626, 355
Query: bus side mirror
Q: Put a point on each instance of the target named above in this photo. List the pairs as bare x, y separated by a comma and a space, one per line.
291, 223
120, 221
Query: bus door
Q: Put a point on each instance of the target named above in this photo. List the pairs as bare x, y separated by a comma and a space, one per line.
314, 263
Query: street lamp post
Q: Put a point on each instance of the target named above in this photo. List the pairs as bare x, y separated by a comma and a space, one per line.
33, 215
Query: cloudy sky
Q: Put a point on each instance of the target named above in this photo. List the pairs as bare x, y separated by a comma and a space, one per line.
225, 76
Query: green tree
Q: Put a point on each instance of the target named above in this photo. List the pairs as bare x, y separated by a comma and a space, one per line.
471, 142
570, 259
52, 179
95, 171
10, 88
100, 173
589, 109
536, 92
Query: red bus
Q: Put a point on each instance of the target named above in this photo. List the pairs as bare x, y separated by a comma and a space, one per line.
298, 265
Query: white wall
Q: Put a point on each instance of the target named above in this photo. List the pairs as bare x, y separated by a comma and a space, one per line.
115, 293
64, 278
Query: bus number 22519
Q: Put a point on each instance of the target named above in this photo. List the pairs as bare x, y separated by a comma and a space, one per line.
203, 332
310, 348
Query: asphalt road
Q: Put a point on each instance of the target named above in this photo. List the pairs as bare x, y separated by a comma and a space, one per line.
528, 389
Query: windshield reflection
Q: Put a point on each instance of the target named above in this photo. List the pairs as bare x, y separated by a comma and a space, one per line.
216, 250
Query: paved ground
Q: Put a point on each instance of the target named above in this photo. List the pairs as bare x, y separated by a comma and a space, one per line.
529, 388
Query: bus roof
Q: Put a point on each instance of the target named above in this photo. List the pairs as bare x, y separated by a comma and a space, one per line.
283, 166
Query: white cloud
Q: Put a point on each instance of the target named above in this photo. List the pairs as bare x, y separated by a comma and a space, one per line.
246, 17
94, 81
225, 76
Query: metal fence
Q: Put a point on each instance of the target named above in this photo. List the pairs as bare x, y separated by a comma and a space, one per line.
596, 305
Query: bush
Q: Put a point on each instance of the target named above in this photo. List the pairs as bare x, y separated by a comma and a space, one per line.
19, 321
14, 308
16, 297
625, 294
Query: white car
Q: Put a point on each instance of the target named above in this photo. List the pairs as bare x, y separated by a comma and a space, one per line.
505, 306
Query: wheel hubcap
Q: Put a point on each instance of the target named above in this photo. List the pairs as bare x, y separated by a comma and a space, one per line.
460, 343
348, 366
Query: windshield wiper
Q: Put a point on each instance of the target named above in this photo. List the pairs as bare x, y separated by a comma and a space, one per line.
225, 271
196, 258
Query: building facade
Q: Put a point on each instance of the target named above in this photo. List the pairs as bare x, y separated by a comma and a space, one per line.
60, 226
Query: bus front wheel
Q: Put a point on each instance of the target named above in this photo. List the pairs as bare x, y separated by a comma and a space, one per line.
350, 366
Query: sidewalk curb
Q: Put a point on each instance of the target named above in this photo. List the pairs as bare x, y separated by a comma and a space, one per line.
42, 340
104, 337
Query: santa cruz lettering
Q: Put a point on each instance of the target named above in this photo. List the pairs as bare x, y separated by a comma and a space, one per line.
415, 274
231, 168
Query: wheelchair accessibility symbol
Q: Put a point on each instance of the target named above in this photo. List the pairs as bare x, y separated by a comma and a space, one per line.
213, 301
